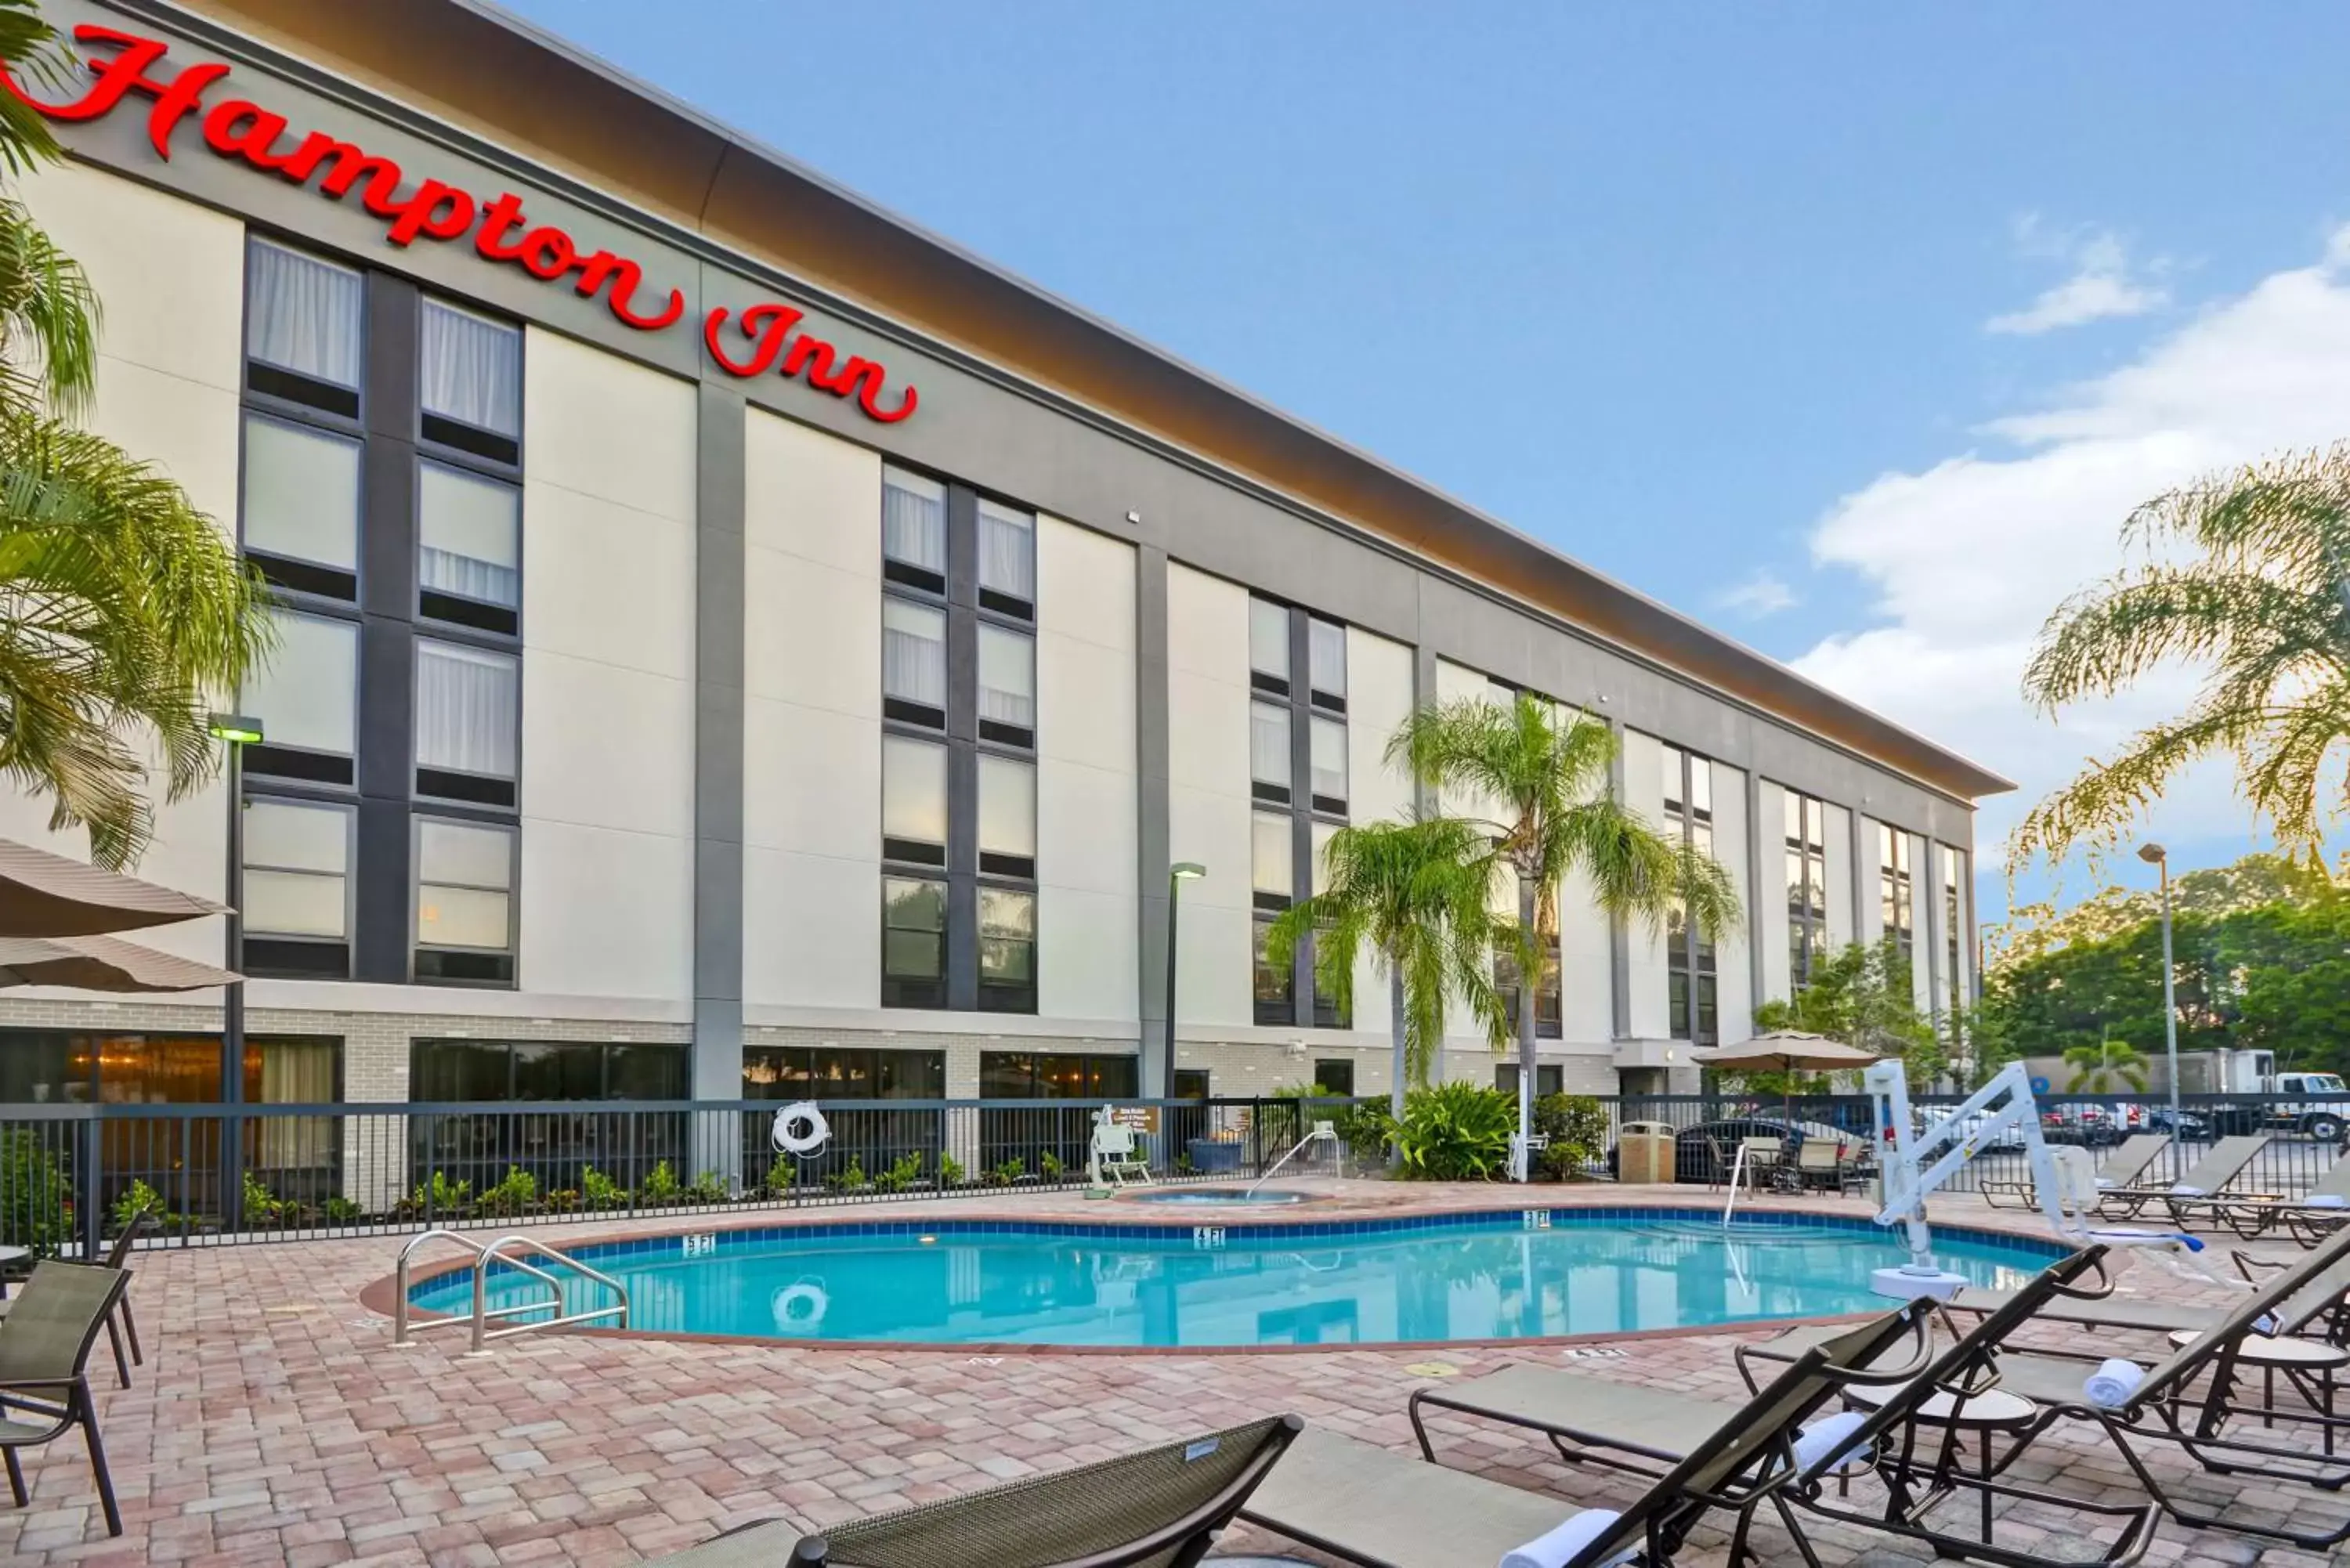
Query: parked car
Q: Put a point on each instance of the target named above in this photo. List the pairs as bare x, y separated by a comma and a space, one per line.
2094, 1125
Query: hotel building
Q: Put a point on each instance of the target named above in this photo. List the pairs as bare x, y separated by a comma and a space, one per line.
735, 642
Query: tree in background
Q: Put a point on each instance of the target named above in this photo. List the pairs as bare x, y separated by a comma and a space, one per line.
1417, 897
2242, 575
1545, 784
2096, 1068
1864, 997
123, 610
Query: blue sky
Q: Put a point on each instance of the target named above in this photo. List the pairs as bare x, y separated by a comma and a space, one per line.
1852, 330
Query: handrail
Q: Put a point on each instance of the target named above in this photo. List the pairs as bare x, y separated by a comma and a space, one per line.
1737, 1174
483, 1256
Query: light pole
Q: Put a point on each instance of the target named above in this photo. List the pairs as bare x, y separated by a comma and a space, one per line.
2155, 855
1182, 872
238, 730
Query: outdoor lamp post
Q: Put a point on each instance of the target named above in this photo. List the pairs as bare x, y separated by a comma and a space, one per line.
238, 730
1182, 872
2153, 854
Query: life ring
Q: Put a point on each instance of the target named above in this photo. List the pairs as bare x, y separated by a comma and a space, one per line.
799, 1130
800, 1306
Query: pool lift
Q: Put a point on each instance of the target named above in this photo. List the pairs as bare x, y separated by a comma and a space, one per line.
1915, 1165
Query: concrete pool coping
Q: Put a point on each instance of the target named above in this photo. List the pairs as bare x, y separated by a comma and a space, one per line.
1403, 1217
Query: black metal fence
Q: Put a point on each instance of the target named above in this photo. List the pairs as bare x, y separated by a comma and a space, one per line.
68, 1173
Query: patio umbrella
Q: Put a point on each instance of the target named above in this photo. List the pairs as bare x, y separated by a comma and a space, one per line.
101, 963
45, 895
1786, 1051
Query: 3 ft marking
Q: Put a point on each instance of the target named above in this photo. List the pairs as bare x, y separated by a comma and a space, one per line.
1537, 1219
1207, 1237
698, 1246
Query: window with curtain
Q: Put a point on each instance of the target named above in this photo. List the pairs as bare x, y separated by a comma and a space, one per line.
1007, 815
913, 943
296, 899
468, 702
469, 368
1007, 950
914, 662
1275, 988
1269, 646
1329, 752
913, 529
464, 901
469, 546
1327, 1013
1007, 560
1326, 644
302, 505
913, 801
1271, 876
1007, 686
303, 332
1268, 751
295, 1072
306, 697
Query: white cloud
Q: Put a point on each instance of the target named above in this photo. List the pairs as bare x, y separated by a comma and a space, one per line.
1763, 594
2100, 288
1967, 558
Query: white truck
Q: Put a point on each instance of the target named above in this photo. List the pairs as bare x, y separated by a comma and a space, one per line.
2316, 1105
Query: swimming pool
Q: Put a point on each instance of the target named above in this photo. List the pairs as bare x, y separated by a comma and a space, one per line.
1483, 1276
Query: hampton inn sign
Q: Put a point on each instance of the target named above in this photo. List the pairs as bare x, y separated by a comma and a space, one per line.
761, 341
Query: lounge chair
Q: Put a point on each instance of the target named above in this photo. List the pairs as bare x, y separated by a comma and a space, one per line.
2122, 1167
2317, 1309
2313, 1215
1157, 1509
45, 1346
118, 1321
1820, 1162
1382, 1508
2189, 1399
2221, 1165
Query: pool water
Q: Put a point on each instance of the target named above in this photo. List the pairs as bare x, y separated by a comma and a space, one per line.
1222, 1198
1463, 1277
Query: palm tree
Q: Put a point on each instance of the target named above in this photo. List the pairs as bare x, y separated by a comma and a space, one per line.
1419, 894
1546, 782
2242, 574
123, 610
2094, 1068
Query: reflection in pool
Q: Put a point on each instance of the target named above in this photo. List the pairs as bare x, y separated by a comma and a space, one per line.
1466, 1277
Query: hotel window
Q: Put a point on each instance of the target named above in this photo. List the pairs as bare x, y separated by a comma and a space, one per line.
913, 943
1327, 1013
296, 898
464, 902
1326, 644
1549, 1011
416, 513
1268, 759
1269, 647
913, 530
837, 1073
1806, 833
1275, 991
1329, 763
1007, 561
1335, 1077
1548, 1080
1692, 984
959, 762
1895, 904
1273, 879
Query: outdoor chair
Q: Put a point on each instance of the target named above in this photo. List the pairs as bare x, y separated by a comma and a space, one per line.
2319, 1309
1161, 1508
2124, 1165
2313, 1215
119, 1323
1115, 1155
1375, 1507
2221, 1165
1821, 1163
45, 1346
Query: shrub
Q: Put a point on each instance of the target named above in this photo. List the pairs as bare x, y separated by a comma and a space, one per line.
140, 1199
561, 1199
1457, 1131
1366, 1129
341, 1210
661, 1188
903, 1172
515, 1195
441, 1196
598, 1190
260, 1205
950, 1172
852, 1180
1050, 1164
781, 1176
33, 1210
1576, 1126
709, 1187
1004, 1175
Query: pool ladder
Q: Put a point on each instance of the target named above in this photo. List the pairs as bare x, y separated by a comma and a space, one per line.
483, 1314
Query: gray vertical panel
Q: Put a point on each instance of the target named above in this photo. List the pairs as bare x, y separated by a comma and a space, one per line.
1619, 939
382, 933
1757, 860
1865, 871
718, 629
1423, 695
380, 929
1301, 809
1152, 846
962, 756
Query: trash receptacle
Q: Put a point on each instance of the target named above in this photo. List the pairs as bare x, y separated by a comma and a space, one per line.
1644, 1153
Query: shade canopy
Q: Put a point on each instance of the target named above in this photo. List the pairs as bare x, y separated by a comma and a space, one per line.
101, 963
45, 895
1786, 1051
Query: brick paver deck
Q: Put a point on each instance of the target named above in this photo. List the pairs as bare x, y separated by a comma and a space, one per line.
274, 1423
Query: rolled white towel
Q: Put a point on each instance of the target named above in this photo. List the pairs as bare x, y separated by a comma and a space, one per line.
2326, 1200
2109, 1388
2107, 1184
2187, 1190
1558, 1548
1827, 1442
